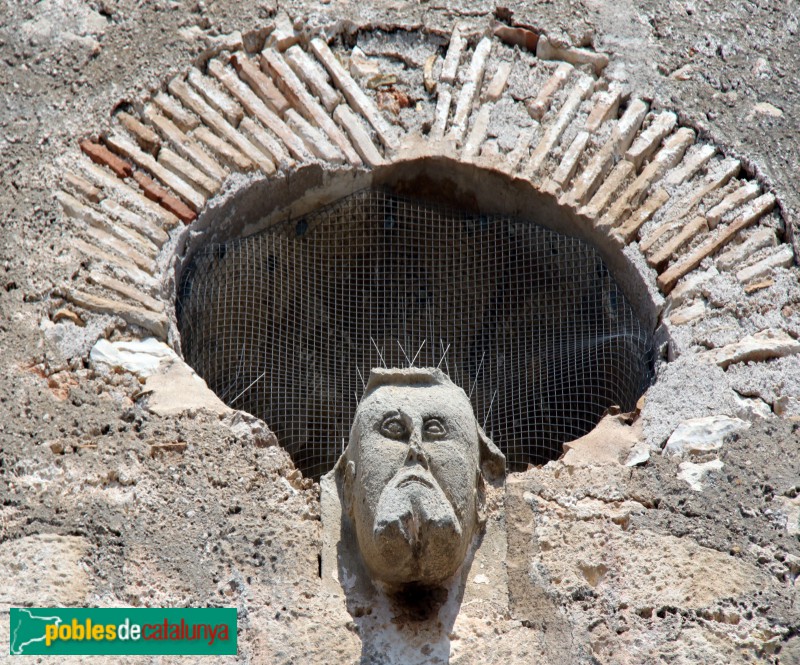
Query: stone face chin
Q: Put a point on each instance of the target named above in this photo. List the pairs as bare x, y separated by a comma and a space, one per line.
417, 536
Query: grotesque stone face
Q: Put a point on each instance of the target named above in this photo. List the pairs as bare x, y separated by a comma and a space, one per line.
412, 475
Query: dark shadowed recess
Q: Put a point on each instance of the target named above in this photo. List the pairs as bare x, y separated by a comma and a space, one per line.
287, 323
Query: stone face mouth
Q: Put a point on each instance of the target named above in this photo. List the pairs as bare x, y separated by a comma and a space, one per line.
414, 480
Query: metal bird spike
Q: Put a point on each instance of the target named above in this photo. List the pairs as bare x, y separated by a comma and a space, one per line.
380, 355
418, 352
489, 411
477, 374
403, 351
260, 376
444, 357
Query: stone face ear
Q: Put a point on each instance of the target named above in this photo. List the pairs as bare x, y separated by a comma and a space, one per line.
346, 471
492, 461
349, 481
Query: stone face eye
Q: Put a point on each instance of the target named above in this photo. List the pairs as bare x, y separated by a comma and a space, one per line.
433, 428
393, 427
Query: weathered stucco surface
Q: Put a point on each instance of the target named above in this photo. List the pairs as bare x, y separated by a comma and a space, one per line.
106, 502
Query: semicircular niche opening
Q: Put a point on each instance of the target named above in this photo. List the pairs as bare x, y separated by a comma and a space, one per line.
287, 323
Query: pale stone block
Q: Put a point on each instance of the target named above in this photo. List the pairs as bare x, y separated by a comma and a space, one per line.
569, 162
673, 245
719, 175
644, 213
621, 138
610, 188
470, 88
762, 238
453, 58
648, 141
362, 66
313, 138
118, 264
216, 98
264, 141
177, 389
283, 35
145, 137
690, 287
143, 357
356, 97
358, 134
752, 213
441, 114
120, 247
666, 158
787, 406
575, 56
689, 313
722, 172
760, 346
223, 150
261, 84
498, 83
751, 408
605, 107
184, 145
539, 106
695, 160
524, 140
183, 169
745, 193
477, 134
698, 436
312, 74
696, 474
582, 89
126, 290
184, 120
221, 126
292, 87
135, 222
142, 249
256, 107
83, 187
782, 258
154, 322
608, 444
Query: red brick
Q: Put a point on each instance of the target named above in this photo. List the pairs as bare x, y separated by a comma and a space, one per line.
99, 154
164, 198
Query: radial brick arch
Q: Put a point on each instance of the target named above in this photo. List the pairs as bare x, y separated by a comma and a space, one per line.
513, 125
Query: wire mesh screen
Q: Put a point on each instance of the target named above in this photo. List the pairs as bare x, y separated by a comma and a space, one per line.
286, 324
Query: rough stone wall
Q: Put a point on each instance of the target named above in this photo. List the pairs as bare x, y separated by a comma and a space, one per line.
106, 502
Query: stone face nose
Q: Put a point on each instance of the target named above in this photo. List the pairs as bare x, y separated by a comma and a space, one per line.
415, 452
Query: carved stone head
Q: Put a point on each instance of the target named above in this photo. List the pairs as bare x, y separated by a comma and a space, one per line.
413, 476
